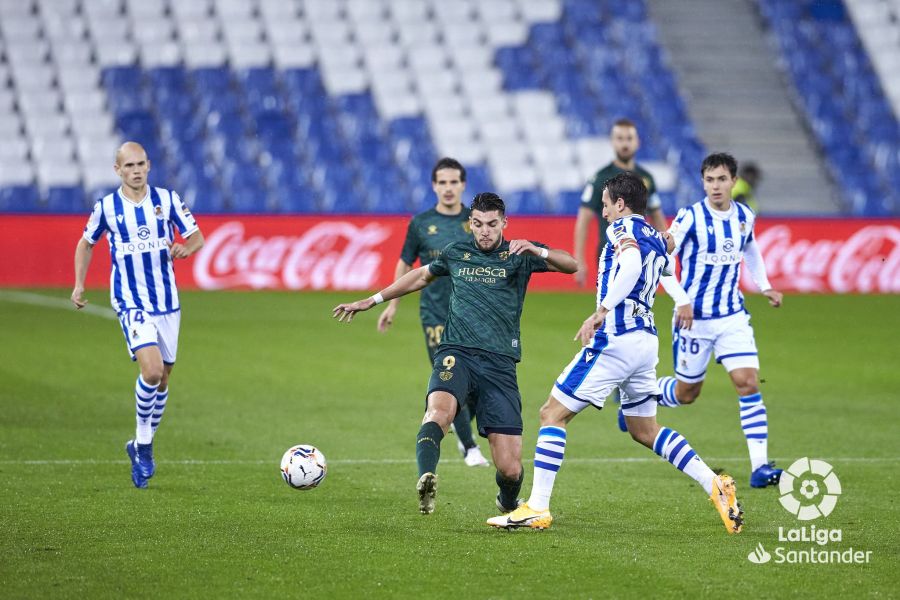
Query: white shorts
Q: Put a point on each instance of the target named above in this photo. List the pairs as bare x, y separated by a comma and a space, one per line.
625, 361
142, 329
730, 337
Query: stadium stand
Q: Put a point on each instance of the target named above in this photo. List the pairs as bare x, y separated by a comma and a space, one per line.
341, 106
842, 95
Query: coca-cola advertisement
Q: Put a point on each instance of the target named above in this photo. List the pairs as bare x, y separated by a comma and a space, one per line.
328, 252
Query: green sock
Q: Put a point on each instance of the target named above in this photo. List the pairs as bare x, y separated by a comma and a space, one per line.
509, 489
428, 447
463, 425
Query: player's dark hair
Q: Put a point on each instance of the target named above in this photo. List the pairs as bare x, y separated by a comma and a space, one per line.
488, 201
630, 188
448, 163
719, 159
623, 122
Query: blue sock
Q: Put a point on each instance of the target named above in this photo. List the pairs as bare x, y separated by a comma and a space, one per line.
755, 423
159, 408
667, 392
672, 446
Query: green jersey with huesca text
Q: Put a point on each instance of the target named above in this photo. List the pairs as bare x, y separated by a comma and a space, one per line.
428, 233
487, 295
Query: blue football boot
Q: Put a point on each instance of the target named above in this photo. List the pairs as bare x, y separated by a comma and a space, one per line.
137, 476
145, 459
765, 476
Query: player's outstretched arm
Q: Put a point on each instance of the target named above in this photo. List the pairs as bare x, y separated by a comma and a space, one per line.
558, 260
413, 281
582, 222
386, 318
84, 251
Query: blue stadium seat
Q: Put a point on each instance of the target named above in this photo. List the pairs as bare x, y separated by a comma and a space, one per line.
19, 198
66, 200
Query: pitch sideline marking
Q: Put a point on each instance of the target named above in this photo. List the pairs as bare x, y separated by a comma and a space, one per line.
405, 461
53, 302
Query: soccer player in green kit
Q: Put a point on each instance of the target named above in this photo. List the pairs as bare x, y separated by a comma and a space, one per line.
428, 233
481, 344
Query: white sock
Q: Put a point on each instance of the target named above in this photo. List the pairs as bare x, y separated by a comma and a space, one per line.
548, 457
667, 392
144, 400
672, 446
755, 423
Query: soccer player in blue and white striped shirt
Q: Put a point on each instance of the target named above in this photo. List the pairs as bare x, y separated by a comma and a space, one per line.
712, 237
620, 350
140, 222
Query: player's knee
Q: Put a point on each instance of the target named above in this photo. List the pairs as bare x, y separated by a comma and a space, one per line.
554, 414
747, 388
440, 416
152, 375
746, 384
510, 470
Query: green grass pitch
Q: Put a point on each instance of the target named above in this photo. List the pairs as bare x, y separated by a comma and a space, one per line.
259, 372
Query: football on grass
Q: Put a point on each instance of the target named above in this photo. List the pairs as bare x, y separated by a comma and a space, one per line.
303, 467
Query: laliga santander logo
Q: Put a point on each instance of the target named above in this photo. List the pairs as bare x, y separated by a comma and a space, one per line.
809, 489
333, 254
867, 261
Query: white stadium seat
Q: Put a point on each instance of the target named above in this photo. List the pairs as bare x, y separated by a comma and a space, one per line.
203, 54
294, 57
14, 149
249, 55
165, 54
16, 172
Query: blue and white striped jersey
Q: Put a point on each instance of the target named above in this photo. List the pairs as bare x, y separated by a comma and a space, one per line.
636, 311
139, 235
710, 245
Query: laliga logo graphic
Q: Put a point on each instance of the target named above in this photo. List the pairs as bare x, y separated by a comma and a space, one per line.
759, 555
808, 478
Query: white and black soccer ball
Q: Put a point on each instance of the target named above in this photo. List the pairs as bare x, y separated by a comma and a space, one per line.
303, 467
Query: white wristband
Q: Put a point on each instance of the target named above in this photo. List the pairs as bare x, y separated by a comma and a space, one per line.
378, 298
544, 253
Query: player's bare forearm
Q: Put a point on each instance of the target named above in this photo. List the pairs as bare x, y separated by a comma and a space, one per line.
413, 281
84, 251
562, 261
399, 271
386, 318
582, 221
191, 244
558, 260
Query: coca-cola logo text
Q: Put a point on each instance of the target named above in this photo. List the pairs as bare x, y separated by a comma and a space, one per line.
330, 255
867, 261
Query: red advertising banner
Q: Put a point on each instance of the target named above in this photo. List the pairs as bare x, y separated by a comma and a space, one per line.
328, 252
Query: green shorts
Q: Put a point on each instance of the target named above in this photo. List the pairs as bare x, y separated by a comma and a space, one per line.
484, 380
